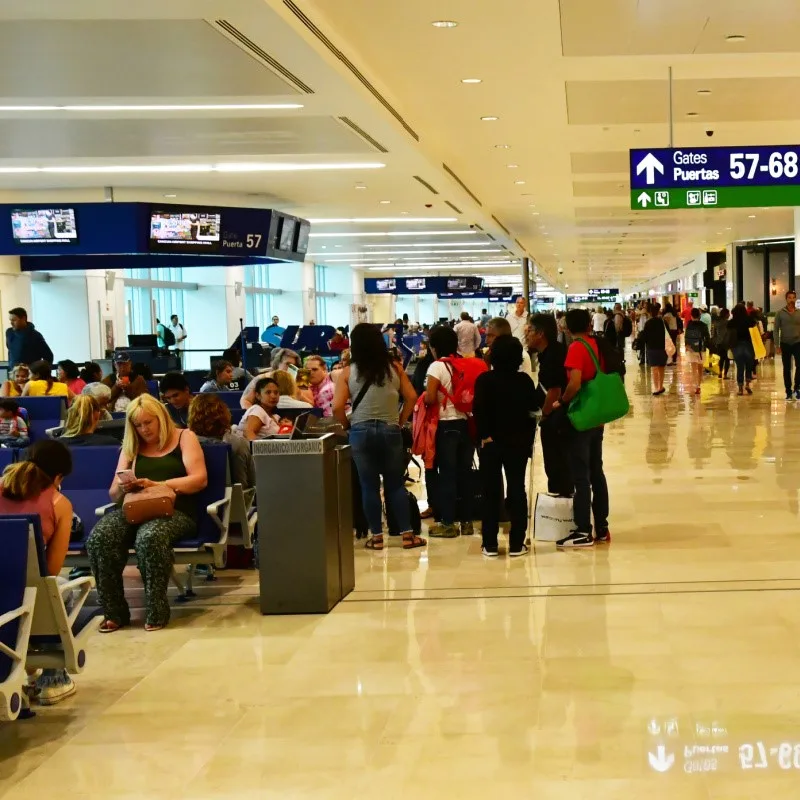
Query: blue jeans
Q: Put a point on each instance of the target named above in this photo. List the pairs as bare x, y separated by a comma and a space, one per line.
591, 489
378, 451
451, 484
745, 362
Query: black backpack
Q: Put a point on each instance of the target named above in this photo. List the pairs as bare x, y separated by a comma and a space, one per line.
627, 327
610, 356
693, 337
168, 336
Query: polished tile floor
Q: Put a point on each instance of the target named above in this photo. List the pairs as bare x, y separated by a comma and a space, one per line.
663, 666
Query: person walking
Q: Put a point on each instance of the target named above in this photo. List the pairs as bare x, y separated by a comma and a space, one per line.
519, 319
180, 335
653, 335
671, 321
585, 447
24, 344
697, 341
719, 340
787, 343
469, 338
504, 408
742, 346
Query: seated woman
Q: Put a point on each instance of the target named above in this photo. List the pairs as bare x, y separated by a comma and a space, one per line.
260, 420
33, 487
42, 384
156, 452
82, 421
91, 372
102, 394
220, 377
17, 379
282, 358
210, 418
290, 396
69, 373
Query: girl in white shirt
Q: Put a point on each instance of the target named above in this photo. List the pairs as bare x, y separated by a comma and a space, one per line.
260, 420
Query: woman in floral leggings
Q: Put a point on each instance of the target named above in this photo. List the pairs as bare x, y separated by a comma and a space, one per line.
153, 451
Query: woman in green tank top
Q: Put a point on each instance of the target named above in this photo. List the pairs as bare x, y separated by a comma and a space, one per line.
156, 452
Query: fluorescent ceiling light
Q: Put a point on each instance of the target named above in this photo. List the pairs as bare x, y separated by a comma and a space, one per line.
444, 23
502, 146
489, 119
503, 265
434, 244
164, 168
431, 253
164, 107
735, 38
392, 233
385, 202
471, 80
340, 220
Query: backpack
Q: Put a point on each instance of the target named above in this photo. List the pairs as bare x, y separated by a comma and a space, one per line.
168, 336
612, 358
610, 331
693, 338
463, 374
627, 327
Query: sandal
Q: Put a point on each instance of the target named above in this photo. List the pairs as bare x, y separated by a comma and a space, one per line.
109, 626
151, 628
374, 542
411, 540
426, 514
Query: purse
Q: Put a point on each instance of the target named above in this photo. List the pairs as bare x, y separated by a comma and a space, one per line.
669, 345
600, 400
154, 502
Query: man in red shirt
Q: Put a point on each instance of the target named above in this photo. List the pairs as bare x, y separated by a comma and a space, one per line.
585, 447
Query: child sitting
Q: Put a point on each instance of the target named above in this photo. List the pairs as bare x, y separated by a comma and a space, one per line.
13, 428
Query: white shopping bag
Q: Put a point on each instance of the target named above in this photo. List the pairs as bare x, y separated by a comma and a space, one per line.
552, 517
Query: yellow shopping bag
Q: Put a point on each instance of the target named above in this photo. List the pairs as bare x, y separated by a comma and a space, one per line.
706, 361
758, 345
715, 364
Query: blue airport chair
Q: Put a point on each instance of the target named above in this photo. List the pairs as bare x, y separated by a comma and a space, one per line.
17, 602
43, 413
231, 399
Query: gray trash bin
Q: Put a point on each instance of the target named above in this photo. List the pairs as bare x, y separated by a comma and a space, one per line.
305, 523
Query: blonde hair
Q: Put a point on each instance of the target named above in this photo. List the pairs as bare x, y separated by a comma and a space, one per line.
81, 415
148, 404
286, 383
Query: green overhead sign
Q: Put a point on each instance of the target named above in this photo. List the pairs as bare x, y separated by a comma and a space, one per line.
723, 197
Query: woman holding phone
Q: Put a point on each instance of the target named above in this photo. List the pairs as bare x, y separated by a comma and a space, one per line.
154, 452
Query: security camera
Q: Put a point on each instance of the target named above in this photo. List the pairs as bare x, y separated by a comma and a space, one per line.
709, 133
428, 205
472, 227
560, 271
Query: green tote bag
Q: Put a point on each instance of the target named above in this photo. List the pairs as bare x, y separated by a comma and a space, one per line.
600, 400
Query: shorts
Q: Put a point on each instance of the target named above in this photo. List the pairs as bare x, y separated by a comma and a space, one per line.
693, 358
657, 358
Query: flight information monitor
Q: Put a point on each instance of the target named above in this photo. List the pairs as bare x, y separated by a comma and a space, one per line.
188, 230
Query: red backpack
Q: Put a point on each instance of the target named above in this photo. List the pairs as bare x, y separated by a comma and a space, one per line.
463, 373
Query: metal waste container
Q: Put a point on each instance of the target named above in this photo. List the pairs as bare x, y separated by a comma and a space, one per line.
305, 523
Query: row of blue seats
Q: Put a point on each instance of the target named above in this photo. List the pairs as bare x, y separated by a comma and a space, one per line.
37, 631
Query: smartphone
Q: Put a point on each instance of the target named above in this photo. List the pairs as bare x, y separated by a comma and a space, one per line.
293, 370
126, 476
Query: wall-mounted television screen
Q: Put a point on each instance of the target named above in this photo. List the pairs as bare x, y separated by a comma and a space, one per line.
501, 292
456, 283
286, 230
415, 284
303, 231
185, 229
386, 284
44, 225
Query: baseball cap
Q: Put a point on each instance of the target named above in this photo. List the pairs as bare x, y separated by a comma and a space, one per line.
121, 358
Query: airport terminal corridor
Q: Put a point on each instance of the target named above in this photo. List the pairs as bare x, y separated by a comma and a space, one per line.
662, 665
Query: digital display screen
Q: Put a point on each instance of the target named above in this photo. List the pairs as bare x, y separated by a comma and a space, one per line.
303, 231
416, 284
44, 225
456, 283
186, 228
386, 284
500, 292
286, 235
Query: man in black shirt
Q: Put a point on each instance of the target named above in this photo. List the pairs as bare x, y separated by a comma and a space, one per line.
542, 336
175, 391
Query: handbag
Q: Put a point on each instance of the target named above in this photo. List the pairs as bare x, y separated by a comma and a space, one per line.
758, 344
552, 518
669, 345
600, 400
154, 502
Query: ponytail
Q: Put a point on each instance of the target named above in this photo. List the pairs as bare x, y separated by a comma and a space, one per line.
81, 415
24, 480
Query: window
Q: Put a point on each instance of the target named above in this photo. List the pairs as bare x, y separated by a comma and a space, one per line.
286, 302
145, 304
335, 284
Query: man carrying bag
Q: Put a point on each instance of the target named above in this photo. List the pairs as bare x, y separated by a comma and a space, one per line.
594, 397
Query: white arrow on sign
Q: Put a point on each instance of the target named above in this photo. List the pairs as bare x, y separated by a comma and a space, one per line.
649, 165
662, 761
644, 199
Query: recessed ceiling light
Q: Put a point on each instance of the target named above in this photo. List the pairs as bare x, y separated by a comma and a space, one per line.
535, 213
704, 91
444, 23
519, 183
359, 186
735, 38
170, 195
502, 147
691, 113
490, 119
471, 80
751, 216
513, 166
385, 202
728, 229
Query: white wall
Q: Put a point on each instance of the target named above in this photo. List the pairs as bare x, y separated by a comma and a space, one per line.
60, 311
15, 290
103, 305
753, 277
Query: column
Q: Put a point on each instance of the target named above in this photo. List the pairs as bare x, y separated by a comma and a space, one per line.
309, 292
15, 290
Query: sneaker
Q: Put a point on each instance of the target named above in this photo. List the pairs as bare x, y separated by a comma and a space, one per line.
517, 553
576, 539
53, 693
443, 532
797, 394
603, 536
789, 396
467, 529
489, 553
